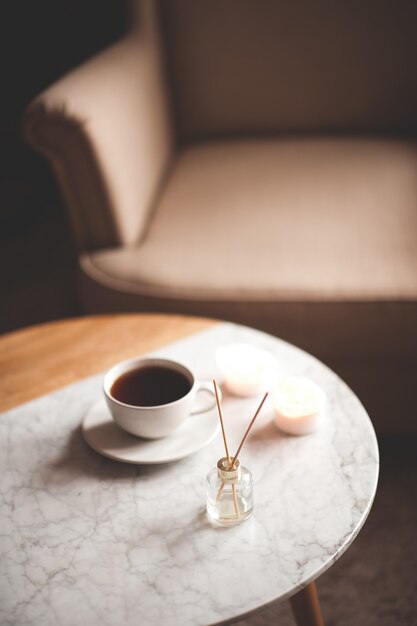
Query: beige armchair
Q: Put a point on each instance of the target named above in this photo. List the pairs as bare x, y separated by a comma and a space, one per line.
257, 162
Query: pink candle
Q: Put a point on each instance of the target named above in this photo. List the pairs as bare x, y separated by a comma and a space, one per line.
299, 405
246, 370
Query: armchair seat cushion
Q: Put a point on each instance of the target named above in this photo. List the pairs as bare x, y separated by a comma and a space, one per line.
278, 220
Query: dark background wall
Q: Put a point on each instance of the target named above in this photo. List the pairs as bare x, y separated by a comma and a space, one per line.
40, 41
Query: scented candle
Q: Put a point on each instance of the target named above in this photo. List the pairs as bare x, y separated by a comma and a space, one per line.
246, 370
299, 405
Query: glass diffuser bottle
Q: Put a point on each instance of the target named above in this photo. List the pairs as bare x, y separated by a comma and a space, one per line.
229, 493
229, 486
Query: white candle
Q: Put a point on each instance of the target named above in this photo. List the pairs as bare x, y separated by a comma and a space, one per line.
299, 405
245, 369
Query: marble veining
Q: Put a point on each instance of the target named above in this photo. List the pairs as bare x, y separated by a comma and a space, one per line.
87, 540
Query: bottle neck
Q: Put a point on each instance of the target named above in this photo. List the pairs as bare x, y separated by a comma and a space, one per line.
227, 473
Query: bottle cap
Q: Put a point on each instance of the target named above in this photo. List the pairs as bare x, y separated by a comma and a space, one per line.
225, 473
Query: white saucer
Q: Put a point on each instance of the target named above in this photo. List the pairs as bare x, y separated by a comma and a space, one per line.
105, 437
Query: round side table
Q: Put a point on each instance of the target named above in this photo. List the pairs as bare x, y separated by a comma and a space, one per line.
90, 540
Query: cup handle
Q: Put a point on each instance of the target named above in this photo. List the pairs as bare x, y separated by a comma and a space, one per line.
205, 387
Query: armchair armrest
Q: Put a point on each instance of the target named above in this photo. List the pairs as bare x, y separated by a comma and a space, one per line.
105, 128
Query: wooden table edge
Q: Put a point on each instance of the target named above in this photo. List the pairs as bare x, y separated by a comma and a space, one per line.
40, 359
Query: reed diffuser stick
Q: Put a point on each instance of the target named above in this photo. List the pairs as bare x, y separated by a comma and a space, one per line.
247, 430
219, 408
235, 502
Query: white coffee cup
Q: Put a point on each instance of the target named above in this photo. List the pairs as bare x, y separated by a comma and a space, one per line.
159, 420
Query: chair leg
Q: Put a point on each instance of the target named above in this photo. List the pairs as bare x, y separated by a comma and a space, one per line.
306, 607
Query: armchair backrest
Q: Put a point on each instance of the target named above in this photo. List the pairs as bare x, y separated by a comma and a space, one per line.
257, 66
106, 129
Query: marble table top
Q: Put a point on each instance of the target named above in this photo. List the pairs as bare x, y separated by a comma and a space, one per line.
88, 540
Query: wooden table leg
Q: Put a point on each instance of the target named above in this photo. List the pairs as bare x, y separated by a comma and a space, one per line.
306, 607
